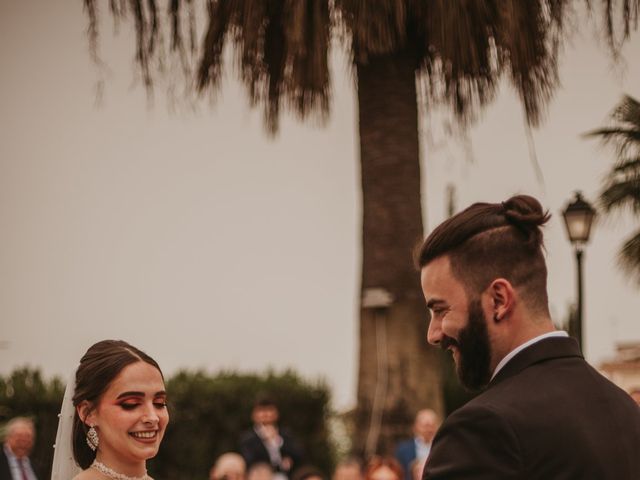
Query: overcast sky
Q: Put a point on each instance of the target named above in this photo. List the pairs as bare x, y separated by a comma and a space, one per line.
195, 237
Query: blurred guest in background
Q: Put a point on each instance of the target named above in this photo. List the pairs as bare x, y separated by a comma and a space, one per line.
417, 468
268, 443
348, 469
260, 471
228, 466
635, 394
425, 427
383, 468
308, 472
14, 462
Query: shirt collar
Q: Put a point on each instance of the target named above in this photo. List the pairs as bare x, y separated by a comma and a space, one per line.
9, 452
528, 343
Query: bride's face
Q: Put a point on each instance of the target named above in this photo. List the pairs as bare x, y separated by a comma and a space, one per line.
131, 416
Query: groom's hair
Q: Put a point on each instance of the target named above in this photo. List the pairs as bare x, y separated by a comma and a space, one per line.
98, 367
494, 240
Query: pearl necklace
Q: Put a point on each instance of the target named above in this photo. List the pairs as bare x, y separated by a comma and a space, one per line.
102, 468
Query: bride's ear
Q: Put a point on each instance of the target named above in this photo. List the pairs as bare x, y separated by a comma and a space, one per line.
86, 412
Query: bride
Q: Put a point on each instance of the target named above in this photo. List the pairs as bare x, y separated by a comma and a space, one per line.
113, 417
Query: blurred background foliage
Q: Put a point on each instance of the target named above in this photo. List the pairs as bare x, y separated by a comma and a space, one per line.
25, 393
208, 413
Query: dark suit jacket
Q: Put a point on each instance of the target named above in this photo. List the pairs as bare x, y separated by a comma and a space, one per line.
406, 454
546, 415
5, 471
253, 450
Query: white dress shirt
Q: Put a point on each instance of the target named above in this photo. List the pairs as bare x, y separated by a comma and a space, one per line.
518, 349
14, 466
422, 448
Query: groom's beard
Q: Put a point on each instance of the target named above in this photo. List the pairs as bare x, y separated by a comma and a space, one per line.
473, 366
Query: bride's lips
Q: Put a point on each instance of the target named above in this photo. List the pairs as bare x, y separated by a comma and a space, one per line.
146, 436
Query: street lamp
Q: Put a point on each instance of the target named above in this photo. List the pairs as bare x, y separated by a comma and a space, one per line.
578, 218
378, 300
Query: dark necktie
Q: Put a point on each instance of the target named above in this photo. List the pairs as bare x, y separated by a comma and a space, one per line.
22, 469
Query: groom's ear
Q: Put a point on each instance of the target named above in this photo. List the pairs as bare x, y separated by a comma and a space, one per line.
502, 295
86, 412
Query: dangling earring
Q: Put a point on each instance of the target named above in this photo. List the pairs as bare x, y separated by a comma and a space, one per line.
92, 438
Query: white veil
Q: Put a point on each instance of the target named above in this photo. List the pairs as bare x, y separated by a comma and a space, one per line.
64, 466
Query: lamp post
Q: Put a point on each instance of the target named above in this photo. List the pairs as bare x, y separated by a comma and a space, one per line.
578, 218
378, 301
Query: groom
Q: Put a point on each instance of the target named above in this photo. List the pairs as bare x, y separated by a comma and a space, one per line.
545, 413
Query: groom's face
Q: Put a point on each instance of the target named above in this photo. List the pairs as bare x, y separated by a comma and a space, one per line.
458, 324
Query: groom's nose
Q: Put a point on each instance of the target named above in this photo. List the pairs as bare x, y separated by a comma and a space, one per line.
434, 331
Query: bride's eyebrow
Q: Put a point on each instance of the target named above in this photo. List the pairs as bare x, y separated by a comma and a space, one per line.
161, 393
130, 394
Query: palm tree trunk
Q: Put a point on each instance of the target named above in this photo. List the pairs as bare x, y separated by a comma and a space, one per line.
398, 372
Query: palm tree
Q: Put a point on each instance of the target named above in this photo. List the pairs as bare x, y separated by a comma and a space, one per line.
456, 51
621, 190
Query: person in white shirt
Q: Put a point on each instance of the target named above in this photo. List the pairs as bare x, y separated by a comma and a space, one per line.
425, 426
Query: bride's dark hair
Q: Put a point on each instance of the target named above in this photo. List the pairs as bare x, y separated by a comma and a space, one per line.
98, 367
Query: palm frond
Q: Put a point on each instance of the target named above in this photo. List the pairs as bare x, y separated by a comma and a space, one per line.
146, 30
92, 29
282, 50
210, 65
627, 21
281, 47
459, 54
621, 194
615, 134
629, 257
621, 189
624, 133
148, 26
462, 48
532, 51
630, 166
628, 111
622, 184
375, 28
175, 12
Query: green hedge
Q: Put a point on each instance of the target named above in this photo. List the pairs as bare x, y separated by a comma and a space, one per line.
24, 393
208, 413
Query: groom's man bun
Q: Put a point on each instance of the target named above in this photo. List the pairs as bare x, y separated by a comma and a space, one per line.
494, 240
